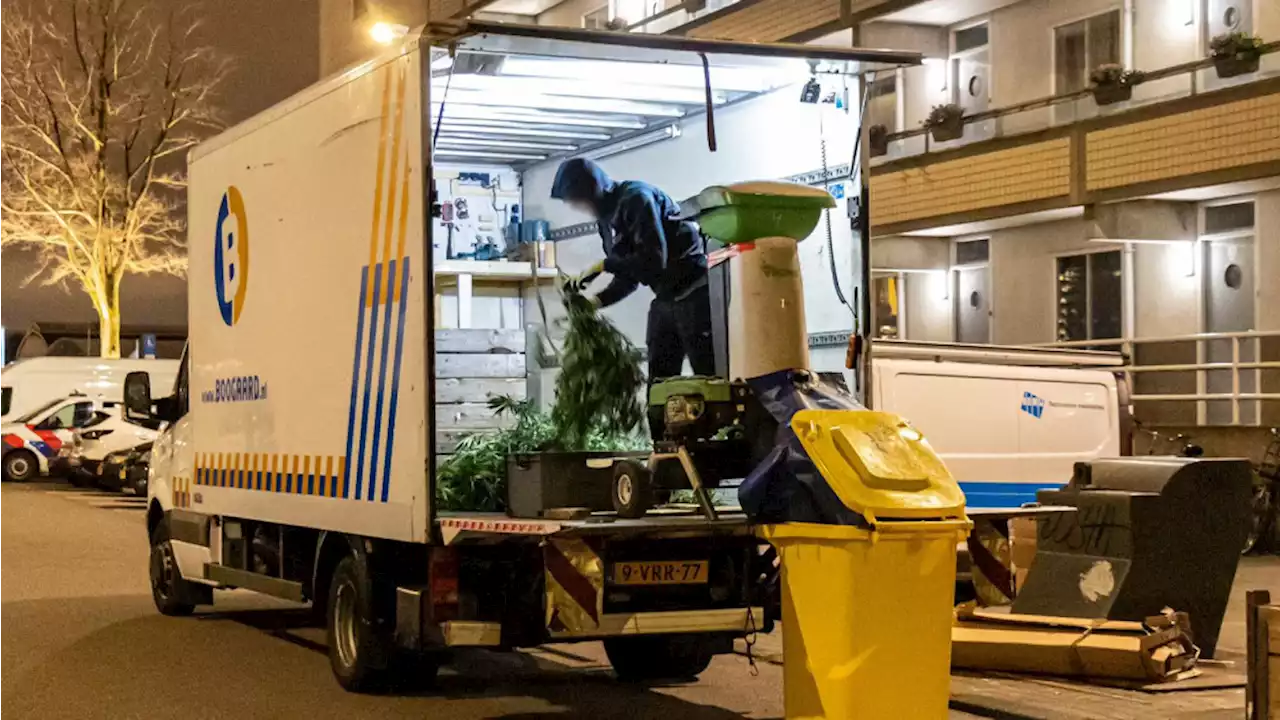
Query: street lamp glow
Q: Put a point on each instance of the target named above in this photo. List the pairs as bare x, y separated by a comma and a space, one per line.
385, 33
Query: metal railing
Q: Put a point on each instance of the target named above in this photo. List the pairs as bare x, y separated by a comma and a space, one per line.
1061, 109
678, 15
1211, 391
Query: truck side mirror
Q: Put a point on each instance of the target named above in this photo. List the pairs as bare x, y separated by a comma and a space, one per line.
137, 397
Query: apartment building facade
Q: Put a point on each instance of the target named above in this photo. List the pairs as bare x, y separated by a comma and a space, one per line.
1053, 218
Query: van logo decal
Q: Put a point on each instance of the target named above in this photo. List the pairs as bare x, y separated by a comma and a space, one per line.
1032, 404
231, 255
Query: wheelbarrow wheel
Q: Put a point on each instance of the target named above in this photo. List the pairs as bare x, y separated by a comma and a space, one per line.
632, 489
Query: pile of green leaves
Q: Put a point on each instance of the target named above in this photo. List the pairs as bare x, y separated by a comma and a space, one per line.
600, 376
474, 477
597, 408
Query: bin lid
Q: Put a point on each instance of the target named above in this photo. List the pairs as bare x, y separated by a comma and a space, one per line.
878, 465
759, 193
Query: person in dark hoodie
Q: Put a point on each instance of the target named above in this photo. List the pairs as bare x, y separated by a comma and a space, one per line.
646, 244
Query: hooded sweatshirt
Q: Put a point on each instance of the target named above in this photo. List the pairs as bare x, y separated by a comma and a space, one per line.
644, 241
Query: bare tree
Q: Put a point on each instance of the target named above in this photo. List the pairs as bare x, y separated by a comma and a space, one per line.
100, 100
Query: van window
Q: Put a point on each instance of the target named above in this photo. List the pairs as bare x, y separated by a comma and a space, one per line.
76, 415
32, 415
6, 397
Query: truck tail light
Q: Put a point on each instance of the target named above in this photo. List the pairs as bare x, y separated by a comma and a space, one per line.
444, 584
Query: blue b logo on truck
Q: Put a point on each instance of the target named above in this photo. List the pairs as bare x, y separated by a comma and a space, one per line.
231, 255
1033, 405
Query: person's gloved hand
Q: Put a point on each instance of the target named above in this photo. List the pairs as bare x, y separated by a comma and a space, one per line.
579, 282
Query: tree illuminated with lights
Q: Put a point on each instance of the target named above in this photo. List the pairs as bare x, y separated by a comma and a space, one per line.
101, 100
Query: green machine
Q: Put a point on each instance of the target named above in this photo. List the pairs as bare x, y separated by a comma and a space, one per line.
707, 430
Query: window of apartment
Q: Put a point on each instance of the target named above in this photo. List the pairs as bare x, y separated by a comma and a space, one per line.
1081, 46
1227, 218
974, 36
886, 291
973, 252
882, 100
597, 19
1089, 294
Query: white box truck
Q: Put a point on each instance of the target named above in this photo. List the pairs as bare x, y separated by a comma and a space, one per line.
298, 460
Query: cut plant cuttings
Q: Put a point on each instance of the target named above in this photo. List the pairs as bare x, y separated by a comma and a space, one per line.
474, 477
600, 377
597, 408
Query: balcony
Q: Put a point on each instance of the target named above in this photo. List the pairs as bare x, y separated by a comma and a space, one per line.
1183, 127
753, 20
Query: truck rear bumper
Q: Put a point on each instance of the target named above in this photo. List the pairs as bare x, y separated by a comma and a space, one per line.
464, 633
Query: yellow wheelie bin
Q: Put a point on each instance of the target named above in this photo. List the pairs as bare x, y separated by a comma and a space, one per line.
866, 610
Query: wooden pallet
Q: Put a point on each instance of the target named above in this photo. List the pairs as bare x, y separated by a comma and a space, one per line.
471, 367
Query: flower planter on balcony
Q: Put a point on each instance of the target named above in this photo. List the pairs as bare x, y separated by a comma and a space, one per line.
878, 139
949, 129
1238, 64
1111, 93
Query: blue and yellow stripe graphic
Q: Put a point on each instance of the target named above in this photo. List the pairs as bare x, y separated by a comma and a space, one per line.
379, 342
318, 475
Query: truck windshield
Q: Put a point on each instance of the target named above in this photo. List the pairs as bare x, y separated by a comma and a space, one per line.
6, 396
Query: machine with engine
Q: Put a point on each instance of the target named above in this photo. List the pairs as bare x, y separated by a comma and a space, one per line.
707, 430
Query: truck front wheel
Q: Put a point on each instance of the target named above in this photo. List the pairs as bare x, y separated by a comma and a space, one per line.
171, 594
659, 657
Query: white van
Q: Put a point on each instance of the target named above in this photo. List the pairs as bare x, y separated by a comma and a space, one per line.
31, 383
1007, 421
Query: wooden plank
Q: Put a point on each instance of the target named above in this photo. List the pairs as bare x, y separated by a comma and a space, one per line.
459, 365
1270, 615
447, 441
479, 390
470, 416
480, 341
1257, 658
1273, 689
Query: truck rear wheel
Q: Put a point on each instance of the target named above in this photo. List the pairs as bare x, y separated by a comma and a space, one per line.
363, 657
659, 657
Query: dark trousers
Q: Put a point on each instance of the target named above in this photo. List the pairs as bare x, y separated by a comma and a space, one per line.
679, 329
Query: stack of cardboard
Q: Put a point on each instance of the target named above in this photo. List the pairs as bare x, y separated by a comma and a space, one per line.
1158, 649
1022, 540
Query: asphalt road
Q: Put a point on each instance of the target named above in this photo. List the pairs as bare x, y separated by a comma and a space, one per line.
82, 640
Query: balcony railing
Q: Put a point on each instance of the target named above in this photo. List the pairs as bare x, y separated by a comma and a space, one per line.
1224, 385
1175, 81
679, 14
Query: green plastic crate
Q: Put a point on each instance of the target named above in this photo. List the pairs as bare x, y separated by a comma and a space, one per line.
746, 212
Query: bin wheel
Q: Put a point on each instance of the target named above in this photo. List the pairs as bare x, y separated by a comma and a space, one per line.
658, 657
632, 489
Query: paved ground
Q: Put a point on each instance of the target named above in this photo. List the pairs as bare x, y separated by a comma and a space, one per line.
82, 640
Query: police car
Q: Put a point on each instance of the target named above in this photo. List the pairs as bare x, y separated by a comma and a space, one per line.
30, 443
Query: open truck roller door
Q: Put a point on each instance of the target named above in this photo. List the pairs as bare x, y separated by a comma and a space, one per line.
298, 457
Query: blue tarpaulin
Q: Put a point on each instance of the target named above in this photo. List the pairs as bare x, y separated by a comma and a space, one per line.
786, 486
